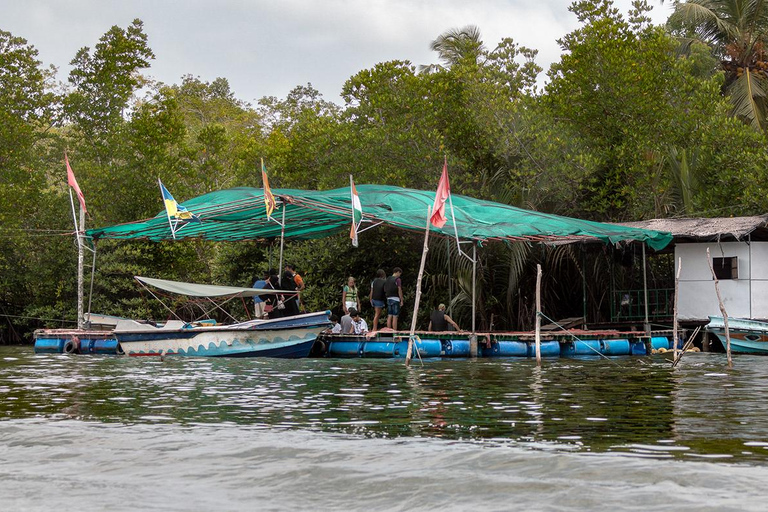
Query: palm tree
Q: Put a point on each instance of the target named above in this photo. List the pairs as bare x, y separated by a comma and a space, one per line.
456, 45
737, 30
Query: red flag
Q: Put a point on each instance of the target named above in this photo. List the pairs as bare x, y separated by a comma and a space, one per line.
438, 218
73, 183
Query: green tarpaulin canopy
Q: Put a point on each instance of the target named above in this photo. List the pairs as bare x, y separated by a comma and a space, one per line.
239, 214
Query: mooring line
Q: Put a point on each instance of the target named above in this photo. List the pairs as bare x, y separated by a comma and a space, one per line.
577, 339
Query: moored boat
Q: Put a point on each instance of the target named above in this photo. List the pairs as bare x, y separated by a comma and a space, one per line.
747, 336
289, 337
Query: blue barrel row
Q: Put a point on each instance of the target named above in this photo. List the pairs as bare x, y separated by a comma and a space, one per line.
66, 345
460, 348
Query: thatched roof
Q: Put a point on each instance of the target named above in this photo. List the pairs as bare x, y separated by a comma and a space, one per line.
717, 228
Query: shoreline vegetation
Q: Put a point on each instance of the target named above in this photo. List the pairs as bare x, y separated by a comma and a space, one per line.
636, 121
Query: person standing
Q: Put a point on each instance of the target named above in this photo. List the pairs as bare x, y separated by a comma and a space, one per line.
291, 302
349, 296
295, 282
393, 287
378, 297
438, 320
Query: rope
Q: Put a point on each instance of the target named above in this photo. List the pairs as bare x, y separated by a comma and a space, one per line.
579, 340
415, 338
39, 318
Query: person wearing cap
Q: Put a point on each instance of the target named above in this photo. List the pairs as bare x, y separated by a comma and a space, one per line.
438, 320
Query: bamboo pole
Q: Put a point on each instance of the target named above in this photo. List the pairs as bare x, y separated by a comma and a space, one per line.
647, 325
416, 301
538, 315
282, 243
80, 274
674, 308
722, 310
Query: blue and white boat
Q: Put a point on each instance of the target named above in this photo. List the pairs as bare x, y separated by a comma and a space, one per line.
747, 336
289, 337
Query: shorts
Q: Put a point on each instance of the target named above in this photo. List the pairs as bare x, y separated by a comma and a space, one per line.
378, 303
393, 307
349, 305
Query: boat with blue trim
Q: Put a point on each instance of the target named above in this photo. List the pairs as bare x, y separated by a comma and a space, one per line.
747, 336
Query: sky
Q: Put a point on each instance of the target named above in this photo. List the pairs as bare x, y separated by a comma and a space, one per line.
267, 47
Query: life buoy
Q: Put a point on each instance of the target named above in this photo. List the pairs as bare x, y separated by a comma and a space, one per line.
119, 350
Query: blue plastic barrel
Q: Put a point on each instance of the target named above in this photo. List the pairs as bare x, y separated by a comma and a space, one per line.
103, 346
507, 349
580, 348
51, 345
344, 349
379, 349
638, 348
548, 349
658, 342
615, 347
456, 348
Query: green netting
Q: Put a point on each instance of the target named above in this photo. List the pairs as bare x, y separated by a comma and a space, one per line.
239, 214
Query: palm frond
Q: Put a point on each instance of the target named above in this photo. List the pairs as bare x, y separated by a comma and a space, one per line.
748, 98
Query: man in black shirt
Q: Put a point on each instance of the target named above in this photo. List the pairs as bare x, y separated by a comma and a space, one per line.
438, 320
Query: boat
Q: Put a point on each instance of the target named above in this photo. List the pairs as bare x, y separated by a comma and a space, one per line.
289, 337
747, 336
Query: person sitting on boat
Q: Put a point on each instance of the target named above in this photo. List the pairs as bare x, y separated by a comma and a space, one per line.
346, 322
438, 320
358, 324
349, 296
274, 305
259, 303
336, 328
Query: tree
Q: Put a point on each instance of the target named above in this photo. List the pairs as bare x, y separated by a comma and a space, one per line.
737, 30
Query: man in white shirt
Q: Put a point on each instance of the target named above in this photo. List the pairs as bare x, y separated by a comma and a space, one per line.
358, 324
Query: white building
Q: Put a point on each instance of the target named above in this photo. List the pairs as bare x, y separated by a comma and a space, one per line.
739, 250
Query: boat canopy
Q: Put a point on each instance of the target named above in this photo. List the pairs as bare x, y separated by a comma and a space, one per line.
240, 214
205, 290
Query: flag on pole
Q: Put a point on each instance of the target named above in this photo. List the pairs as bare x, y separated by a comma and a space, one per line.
269, 199
73, 183
442, 195
178, 215
357, 212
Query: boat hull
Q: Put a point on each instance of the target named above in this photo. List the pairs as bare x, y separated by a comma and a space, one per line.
291, 337
747, 336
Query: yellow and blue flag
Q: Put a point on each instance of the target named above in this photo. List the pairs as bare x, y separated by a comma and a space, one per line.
177, 215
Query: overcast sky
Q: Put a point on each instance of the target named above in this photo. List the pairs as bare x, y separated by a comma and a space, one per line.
265, 48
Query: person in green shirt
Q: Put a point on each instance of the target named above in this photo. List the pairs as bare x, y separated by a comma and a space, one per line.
349, 296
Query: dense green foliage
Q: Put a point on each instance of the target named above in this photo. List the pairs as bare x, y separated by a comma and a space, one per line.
627, 127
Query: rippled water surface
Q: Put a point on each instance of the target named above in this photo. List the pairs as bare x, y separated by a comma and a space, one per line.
93, 433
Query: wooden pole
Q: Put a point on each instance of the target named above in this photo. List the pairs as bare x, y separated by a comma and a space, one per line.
473, 349
647, 325
538, 315
416, 301
722, 310
80, 274
282, 243
674, 309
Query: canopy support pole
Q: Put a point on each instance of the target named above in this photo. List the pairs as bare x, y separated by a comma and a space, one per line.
90, 293
416, 301
282, 243
450, 283
537, 334
78, 230
584, 287
473, 338
646, 325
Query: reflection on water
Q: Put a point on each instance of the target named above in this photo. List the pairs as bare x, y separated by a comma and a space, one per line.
635, 406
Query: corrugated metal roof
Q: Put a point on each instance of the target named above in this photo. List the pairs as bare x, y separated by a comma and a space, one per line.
704, 229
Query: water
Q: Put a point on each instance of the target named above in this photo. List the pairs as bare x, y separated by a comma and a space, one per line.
107, 433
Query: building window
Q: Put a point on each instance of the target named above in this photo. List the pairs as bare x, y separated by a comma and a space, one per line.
726, 268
